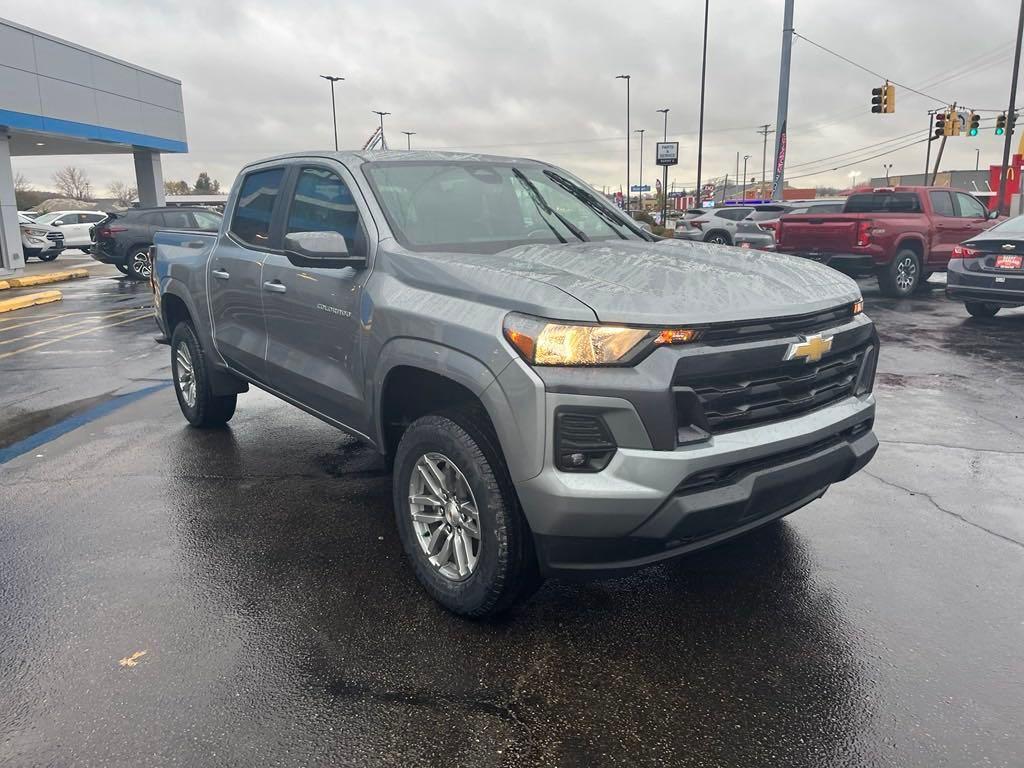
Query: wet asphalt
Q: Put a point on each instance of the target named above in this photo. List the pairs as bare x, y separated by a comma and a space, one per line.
238, 597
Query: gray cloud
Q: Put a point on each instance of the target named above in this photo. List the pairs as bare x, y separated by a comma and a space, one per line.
536, 78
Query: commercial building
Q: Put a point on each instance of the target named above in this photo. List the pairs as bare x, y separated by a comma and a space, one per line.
58, 98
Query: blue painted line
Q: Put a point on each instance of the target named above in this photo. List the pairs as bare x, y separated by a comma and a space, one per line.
88, 131
74, 422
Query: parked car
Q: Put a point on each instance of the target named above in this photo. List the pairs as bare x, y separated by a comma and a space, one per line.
986, 273
717, 225
558, 391
124, 237
75, 226
749, 234
39, 241
900, 234
816, 205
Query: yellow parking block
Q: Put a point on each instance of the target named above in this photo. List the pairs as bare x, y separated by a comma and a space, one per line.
43, 279
29, 300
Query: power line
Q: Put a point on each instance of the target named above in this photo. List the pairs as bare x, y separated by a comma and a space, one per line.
869, 71
859, 160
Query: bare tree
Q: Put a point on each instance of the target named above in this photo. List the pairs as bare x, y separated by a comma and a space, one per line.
21, 183
177, 188
73, 183
123, 194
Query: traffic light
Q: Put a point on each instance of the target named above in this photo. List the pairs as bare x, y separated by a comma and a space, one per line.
973, 123
883, 99
1001, 124
941, 121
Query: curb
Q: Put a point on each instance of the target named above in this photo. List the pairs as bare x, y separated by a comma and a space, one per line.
43, 279
29, 300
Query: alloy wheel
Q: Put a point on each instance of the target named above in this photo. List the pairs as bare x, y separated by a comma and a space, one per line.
184, 375
140, 264
906, 274
445, 517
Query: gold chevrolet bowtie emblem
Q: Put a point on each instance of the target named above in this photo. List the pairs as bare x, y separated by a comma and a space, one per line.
810, 350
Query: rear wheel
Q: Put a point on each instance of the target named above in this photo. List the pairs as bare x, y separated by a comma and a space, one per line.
459, 518
981, 309
902, 277
139, 267
718, 238
191, 377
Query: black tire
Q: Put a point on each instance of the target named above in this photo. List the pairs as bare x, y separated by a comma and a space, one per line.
981, 309
506, 569
48, 256
122, 268
903, 275
137, 262
718, 237
206, 409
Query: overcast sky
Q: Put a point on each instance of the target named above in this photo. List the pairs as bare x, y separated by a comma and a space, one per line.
536, 78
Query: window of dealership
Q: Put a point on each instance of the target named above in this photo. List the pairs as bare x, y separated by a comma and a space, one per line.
58, 98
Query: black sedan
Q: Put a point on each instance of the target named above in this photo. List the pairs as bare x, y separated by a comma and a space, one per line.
986, 272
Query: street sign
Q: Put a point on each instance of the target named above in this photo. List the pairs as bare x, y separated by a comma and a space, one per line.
667, 152
638, 188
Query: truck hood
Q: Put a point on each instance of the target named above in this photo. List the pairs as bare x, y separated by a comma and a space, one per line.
671, 282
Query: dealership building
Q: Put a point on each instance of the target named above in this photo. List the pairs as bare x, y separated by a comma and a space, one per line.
58, 98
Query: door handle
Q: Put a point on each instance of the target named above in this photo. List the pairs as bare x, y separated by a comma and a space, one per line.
220, 274
275, 287
193, 244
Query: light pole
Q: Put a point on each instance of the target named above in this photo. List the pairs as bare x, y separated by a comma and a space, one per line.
977, 158
700, 128
640, 193
408, 138
664, 173
334, 112
743, 194
627, 79
383, 143
888, 167
1011, 115
853, 179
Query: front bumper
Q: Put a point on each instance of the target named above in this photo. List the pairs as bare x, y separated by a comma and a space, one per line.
648, 505
966, 281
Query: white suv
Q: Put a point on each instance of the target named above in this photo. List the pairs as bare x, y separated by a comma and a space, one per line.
75, 226
39, 240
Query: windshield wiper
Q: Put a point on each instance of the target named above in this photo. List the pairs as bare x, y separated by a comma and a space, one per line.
543, 207
589, 201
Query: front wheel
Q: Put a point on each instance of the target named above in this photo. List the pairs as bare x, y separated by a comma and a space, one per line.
139, 267
48, 256
459, 519
981, 309
191, 377
902, 277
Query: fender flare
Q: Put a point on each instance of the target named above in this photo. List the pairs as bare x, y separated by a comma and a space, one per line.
462, 369
915, 238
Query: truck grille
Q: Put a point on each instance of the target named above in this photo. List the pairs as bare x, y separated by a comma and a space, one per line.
745, 399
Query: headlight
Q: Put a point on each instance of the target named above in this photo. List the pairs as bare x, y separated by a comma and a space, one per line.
546, 342
37, 232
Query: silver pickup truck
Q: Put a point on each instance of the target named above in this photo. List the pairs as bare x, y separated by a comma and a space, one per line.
559, 392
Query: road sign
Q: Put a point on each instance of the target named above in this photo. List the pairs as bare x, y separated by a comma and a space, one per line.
638, 188
667, 152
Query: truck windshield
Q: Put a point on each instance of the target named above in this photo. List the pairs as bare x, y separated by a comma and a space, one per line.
883, 202
486, 207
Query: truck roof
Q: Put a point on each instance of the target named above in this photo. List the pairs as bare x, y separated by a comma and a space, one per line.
354, 157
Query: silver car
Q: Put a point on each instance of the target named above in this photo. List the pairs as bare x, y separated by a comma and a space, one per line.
717, 225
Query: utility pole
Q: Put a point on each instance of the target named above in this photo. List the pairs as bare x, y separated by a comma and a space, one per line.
725, 186
334, 112
664, 173
640, 193
938, 159
1004, 206
700, 129
763, 130
928, 153
977, 159
383, 143
743, 194
408, 138
737, 176
779, 171
627, 79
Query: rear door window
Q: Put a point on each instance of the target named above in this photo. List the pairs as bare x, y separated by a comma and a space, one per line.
255, 206
177, 219
942, 203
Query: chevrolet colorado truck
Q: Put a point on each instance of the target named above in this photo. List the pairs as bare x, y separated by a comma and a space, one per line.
899, 234
557, 391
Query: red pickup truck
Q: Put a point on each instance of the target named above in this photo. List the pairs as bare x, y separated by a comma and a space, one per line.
900, 234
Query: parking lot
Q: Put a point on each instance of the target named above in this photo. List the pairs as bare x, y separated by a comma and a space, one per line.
240, 597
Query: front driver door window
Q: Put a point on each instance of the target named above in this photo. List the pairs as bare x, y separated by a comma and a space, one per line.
313, 319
